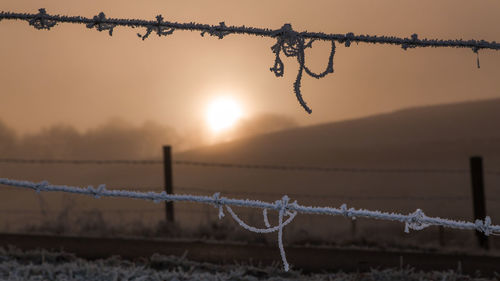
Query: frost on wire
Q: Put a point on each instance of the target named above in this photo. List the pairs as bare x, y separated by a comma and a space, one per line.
415, 221
289, 42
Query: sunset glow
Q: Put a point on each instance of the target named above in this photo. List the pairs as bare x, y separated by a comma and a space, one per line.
222, 114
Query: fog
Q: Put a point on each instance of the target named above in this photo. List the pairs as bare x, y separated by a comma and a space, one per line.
119, 139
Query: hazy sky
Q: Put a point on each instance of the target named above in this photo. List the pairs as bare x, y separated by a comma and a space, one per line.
82, 77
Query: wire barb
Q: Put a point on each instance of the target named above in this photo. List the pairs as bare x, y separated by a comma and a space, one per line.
158, 28
416, 220
292, 44
218, 204
218, 31
485, 226
411, 43
42, 20
348, 213
97, 192
40, 186
100, 23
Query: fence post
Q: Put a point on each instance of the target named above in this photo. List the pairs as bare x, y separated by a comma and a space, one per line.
476, 173
169, 189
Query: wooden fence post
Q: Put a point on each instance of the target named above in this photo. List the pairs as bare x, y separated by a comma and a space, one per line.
169, 189
476, 173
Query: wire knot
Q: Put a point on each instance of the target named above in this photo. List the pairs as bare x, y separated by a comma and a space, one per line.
288, 42
293, 44
42, 20
158, 28
219, 31
40, 186
484, 226
218, 204
415, 221
99, 22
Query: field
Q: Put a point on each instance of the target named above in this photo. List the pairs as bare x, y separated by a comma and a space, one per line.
43, 265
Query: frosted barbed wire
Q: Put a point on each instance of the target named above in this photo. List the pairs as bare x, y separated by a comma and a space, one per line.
290, 42
415, 221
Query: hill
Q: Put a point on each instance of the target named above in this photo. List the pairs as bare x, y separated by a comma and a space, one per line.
461, 129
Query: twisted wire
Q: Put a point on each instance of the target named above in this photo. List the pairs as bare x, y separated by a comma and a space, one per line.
80, 162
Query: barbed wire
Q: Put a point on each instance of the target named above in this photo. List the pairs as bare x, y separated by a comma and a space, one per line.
243, 166
289, 42
178, 189
321, 169
415, 221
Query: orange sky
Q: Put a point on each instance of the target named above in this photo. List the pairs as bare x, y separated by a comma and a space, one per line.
82, 77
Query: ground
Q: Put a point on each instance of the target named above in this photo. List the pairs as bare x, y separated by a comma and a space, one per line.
43, 265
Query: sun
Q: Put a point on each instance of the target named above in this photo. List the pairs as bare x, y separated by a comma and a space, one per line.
222, 113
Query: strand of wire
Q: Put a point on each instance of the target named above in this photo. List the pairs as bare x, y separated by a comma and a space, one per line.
22, 211
290, 42
158, 210
323, 169
241, 166
328, 197
415, 221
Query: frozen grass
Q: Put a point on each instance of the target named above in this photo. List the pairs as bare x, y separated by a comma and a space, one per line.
41, 265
